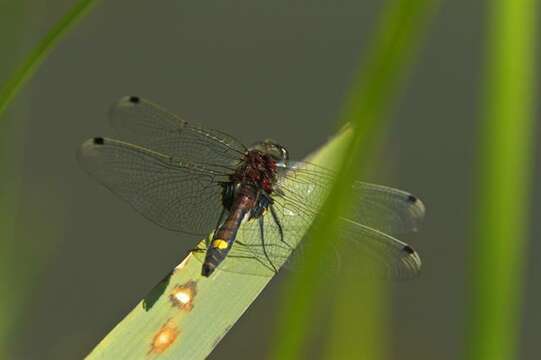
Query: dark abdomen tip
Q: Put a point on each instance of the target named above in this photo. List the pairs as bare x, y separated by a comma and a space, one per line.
207, 269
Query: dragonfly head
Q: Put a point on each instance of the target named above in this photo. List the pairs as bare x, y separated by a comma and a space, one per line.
274, 150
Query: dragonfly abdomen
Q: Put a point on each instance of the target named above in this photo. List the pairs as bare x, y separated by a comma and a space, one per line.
225, 235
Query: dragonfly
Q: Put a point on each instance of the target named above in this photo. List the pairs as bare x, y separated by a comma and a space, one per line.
255, 202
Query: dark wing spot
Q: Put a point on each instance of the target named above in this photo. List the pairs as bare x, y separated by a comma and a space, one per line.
134, 99
408, 249
98, 141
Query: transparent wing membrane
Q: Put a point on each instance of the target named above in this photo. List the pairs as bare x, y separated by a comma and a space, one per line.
172, 193
387, 256
141, 122
380, 207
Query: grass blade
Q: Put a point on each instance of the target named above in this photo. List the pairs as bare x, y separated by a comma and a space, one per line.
506, 162
40, 52
370, 99
13, 287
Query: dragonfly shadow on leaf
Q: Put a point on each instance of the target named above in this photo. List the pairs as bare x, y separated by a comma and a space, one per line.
157, 291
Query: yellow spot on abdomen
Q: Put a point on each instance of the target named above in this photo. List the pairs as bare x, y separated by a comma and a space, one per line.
220, 244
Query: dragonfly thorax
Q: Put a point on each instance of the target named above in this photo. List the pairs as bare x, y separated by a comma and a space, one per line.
260, 165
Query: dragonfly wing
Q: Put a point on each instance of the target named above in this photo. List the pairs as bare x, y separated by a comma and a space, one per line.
383, 255
142, 122
389, 210
386, 256
378, 212
383, 208
173, 193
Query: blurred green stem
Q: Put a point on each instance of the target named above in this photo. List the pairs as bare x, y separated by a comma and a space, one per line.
14, 276
504, 182
13, 15
40, 52
370, 98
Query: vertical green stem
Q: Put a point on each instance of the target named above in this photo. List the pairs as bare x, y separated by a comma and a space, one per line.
14, 276
504, 182
371, 96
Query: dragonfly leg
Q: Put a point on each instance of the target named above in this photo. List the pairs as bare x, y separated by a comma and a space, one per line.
280, 229
262, 234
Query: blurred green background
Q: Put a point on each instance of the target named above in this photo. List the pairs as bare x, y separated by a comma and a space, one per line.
75, 259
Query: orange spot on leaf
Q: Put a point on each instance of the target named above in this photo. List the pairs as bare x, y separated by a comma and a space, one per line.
163, 339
